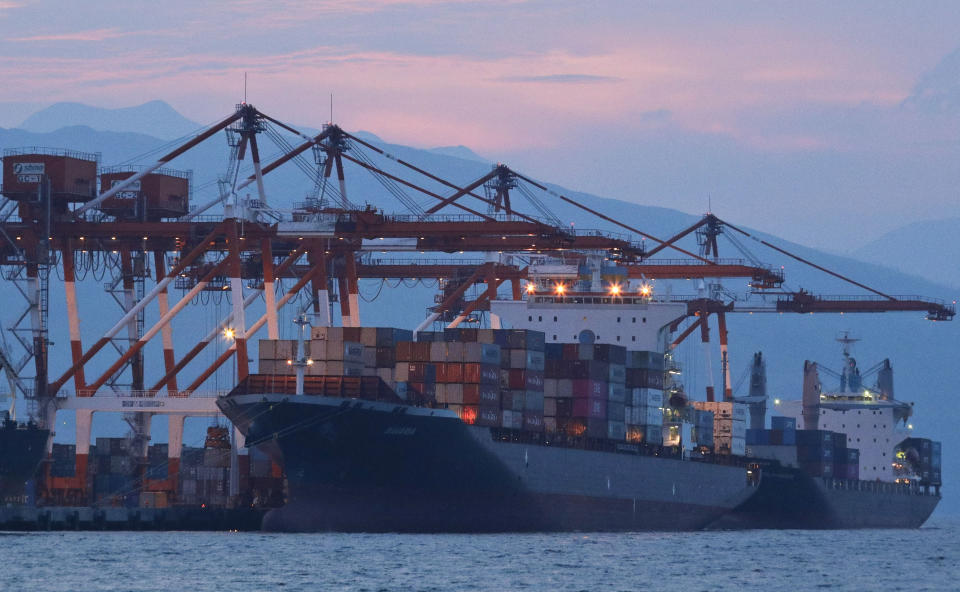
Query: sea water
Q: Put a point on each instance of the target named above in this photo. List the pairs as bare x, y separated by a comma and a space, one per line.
888, 560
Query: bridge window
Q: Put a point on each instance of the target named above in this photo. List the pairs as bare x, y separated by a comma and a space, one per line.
540, 319
554, 337
634, 320
618, 338
644, 319
634, 338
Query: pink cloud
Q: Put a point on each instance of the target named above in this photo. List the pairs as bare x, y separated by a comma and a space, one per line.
88, 35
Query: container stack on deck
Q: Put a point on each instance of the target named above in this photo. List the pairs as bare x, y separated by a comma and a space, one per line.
645, 399
918, 457
203, 480
729, 425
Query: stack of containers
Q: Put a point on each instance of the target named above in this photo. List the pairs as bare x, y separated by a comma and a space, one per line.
467, 379
114, 478
815, 452
414, 373
922, 458
589, 378
63, 460
616, 358
729, 426
643, 383
190, 460
552, 399
274, 355
703, 421
783, 430
335, 351
522, 363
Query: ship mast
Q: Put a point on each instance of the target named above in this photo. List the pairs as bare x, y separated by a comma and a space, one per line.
300, 361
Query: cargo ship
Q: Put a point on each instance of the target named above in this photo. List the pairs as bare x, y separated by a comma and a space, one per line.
22, 448
843, 458
572, 419
551, 425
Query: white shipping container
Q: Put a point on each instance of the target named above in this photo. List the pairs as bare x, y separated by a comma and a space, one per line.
318, 349
402, 371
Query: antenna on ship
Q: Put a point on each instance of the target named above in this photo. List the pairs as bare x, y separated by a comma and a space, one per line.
847, 341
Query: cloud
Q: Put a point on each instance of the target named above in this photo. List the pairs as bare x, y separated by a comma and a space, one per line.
561, 79
89, 35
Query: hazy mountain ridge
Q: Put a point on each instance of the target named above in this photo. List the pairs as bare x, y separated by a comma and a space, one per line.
155, 118
927, 249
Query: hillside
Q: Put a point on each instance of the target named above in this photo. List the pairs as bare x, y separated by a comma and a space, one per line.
927, 249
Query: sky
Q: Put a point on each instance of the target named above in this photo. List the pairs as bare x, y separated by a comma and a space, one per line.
797, 118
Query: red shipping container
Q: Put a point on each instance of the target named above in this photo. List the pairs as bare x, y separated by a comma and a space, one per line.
593, 408
571, 352
454, 372
421, 351
472, 373
590, 389
529, 380
441, 373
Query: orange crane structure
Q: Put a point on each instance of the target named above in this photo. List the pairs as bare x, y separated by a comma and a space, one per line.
61, 214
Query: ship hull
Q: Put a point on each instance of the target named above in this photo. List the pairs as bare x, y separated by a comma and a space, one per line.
367, 466
21, 452
790, 499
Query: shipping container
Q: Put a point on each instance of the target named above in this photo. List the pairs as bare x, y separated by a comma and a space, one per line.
590, 408
616, 430
646, 360
778, 422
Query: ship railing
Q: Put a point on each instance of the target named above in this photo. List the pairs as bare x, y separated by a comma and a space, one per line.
875, 486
